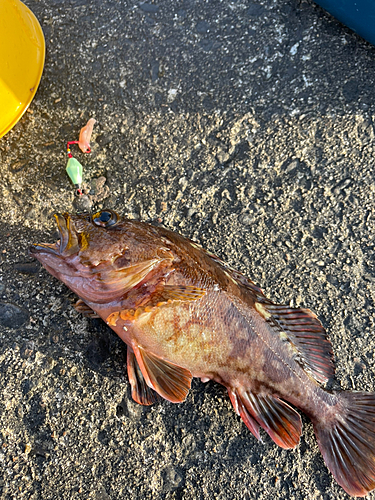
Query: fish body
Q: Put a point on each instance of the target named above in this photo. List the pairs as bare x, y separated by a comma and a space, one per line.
184, 313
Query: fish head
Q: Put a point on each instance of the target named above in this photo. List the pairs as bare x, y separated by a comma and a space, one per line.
101, 256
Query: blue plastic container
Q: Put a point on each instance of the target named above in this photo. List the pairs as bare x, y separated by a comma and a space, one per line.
359, 15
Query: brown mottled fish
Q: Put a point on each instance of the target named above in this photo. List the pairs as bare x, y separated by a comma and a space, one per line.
183, 313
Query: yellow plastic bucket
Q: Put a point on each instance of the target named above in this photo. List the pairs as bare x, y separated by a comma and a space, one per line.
22, 51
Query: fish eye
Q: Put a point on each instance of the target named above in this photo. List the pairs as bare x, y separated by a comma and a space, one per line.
105, 218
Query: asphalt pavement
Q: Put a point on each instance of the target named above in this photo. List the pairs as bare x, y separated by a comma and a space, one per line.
247, 126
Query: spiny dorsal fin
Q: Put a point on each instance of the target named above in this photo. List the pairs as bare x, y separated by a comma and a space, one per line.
171, 381
238, 277
281, 422
307, 336
141, 392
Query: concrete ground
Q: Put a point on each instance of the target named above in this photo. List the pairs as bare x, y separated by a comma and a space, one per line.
245, 125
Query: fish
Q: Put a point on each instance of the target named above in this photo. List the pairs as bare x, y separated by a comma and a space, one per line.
184, 313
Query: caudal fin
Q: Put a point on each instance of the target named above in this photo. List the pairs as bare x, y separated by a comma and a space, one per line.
347, 442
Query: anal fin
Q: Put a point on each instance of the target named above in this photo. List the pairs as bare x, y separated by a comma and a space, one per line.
241, 410
171, 381
141, 392
281, 422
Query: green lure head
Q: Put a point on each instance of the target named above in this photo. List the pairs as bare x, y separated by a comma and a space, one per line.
74, 170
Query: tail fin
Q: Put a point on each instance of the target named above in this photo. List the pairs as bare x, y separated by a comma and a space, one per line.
347, 442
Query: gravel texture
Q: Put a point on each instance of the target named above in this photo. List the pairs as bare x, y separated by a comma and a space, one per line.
245, 125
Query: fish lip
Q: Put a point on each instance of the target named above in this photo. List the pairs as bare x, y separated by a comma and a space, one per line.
66, 245
52, 248
61, 221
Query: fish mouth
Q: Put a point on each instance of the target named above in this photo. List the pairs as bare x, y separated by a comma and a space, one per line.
67, 244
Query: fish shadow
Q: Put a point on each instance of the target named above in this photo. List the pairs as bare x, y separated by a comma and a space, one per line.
105, 354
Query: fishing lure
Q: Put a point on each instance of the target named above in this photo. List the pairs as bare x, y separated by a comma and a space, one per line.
74, 168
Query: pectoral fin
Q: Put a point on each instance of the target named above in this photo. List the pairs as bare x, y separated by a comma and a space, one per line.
163, 296
141, 392
170, 293
281, 422
171, 381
